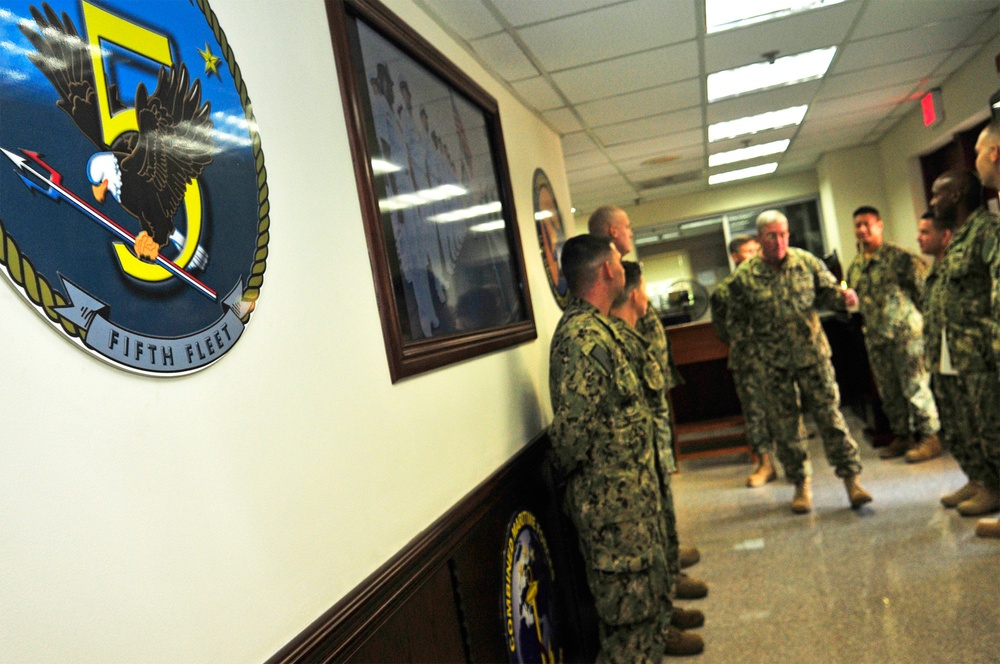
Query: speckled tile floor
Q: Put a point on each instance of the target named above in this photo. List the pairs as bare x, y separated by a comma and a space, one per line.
900, 580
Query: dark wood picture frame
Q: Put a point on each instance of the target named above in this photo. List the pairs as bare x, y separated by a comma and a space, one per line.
446, 291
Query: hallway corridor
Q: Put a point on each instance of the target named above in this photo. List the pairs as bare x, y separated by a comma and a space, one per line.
901, 580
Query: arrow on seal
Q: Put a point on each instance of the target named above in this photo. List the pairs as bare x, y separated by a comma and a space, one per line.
54, 189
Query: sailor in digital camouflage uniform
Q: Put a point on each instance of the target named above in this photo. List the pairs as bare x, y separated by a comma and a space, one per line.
988, 167
603, 447
611, 222
626, 311
889, 281
774, 298
960, 327
743, 365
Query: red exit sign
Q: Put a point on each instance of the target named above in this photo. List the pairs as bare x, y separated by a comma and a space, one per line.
932, 109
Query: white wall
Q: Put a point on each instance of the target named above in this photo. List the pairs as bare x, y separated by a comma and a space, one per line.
211, 518
848, 179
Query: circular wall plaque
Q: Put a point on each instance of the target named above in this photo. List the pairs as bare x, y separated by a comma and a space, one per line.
133, 196
551, 234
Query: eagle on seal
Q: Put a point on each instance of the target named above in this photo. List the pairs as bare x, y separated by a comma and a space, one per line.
146, 171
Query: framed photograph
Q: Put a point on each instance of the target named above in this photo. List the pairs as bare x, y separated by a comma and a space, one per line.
435, 194
551, 234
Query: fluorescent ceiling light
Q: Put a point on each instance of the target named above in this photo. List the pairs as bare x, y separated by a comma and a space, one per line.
417, 198
646, 240
468, 213
753, 171
788, 70
489, 226
381, 166
727, 14
749, 152
542, 215
751, 124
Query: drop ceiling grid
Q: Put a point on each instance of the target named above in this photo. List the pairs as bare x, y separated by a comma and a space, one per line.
621, 80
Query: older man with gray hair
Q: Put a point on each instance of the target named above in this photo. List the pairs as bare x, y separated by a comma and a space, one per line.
773, 302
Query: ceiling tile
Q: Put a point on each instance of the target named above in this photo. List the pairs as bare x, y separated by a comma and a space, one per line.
906, 44
883, 101
662, 145
629, 73
577, 142
645, 173
586, 160
562, 120
988, 30
526, 12
641, 104
655, 125
538, 93
955, 59
505, 57
610, 32
886, 16
809, 30
819, 128
875, 78
593, 172
470, 18
598, 185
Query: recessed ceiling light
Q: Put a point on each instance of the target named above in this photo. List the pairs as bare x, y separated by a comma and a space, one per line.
775, 73
749, 152
751, 124
662, 159
727, 14
753, 171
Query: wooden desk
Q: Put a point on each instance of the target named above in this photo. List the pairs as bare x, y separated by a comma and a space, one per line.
706, 411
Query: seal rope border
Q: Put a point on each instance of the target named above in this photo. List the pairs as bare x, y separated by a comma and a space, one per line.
47, 300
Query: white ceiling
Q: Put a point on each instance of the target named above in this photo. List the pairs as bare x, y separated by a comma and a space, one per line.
623, 81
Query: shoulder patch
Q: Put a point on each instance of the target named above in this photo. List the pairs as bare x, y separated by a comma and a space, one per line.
600, 353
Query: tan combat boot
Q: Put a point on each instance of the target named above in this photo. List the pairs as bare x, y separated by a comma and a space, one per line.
802, 503
955, 497
929, 447
896, 448
677, 643
856, 493
985, 501
686, 618
988, 528
688, 555
689, 588
765, 473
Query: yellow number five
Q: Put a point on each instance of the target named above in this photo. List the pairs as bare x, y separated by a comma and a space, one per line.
103, 26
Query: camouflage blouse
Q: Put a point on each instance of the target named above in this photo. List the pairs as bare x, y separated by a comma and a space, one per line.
890, 286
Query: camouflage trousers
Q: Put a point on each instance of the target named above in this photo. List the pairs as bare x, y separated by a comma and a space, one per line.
666, 464
754, 406
631, 594
970, 423
904, 386
817, 387
672, 546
